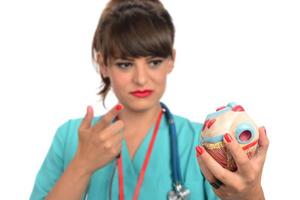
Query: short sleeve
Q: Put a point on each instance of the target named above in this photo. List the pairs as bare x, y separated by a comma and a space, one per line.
52, 167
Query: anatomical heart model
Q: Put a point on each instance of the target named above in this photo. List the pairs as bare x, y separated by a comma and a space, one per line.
234, 120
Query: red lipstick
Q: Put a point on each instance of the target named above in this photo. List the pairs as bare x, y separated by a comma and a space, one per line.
141, 93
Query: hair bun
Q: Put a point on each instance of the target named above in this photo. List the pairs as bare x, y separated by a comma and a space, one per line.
120, 1
113, 3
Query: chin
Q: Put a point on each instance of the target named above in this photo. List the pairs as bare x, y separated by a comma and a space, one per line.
141, 105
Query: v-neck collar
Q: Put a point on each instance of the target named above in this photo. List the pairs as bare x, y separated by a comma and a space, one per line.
134, 165
132, 168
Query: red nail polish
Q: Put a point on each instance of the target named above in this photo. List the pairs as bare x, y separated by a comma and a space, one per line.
119, 107
227, 138
89, 109
200, 150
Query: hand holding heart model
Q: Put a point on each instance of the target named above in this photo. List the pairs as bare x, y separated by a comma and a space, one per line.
231, 119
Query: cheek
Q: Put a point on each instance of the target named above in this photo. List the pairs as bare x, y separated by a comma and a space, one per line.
118, 83
161, 80
160, 83
159, 76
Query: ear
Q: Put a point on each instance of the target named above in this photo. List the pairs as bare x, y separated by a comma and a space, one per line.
102, 66
171, 61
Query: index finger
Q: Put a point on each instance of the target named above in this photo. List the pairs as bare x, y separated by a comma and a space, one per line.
240, 157
216, 170
108, 117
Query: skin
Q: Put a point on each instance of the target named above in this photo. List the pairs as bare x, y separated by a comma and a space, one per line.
97, 146
100, 144
131, 74
243, 184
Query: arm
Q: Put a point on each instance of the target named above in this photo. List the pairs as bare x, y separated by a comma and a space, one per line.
53, 173
97, 146
73, 182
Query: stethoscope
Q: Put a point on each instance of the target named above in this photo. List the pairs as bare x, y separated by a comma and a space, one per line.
179, 191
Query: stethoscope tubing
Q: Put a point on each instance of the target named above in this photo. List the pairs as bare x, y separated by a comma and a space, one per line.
176, 172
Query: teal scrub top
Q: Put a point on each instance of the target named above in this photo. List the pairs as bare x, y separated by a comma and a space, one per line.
104, 182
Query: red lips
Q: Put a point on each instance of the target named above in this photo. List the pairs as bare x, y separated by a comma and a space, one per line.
141, 93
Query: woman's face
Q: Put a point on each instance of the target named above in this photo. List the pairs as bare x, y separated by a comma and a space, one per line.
138, 83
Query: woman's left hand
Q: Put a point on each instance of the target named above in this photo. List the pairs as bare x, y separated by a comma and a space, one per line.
243, 184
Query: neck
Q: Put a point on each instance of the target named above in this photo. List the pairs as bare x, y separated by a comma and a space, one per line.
137, 119
137, 125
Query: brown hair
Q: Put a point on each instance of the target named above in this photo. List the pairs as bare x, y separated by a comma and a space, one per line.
132, 28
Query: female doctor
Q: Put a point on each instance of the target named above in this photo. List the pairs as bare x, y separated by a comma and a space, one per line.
139, 150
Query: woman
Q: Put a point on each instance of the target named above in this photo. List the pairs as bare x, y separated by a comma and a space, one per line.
126, 153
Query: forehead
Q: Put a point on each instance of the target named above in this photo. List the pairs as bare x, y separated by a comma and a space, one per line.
130, 58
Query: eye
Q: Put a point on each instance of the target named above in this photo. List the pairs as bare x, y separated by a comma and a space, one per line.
124, 65
155, 63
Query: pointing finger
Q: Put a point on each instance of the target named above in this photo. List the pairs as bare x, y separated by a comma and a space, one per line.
108, 117
112, 130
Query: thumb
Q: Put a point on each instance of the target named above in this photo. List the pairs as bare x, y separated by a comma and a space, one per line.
87, 120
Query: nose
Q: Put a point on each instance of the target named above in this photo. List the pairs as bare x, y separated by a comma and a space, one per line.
140, 74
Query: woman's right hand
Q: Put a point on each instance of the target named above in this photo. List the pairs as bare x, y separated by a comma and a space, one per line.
101, 143
97, 145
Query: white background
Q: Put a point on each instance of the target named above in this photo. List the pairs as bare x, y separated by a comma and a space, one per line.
242, 51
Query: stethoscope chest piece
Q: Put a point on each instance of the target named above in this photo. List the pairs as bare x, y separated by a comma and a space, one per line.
179, 193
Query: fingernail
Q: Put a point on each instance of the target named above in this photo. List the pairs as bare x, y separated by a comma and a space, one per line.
119, 107
228, 138
200, 150
88, 109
